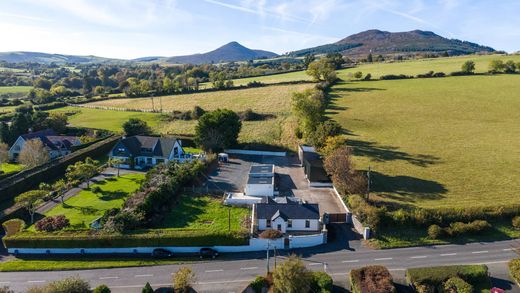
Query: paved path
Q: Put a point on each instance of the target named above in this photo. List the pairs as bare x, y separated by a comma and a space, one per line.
233, 274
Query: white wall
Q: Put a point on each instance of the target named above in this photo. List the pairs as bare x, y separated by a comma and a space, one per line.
307, 240
297, 225
260, 189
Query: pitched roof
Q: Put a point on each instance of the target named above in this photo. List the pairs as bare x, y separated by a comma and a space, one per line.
51, 140
159, 146
289, 210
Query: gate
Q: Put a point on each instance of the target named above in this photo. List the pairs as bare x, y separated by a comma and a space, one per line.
337, 218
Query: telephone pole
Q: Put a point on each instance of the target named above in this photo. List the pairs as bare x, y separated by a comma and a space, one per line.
267, 262
368, 183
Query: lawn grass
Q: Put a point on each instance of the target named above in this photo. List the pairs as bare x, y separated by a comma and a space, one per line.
435, 143
268, 99
87, 206
11, 167
204, 213
14, 89
79, 263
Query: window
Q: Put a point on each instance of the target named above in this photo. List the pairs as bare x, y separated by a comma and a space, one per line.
268, 223
307, 224
289, 223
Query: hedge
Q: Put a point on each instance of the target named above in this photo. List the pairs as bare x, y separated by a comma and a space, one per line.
371, 279
514, 269
143, 238
321, 282
436, 276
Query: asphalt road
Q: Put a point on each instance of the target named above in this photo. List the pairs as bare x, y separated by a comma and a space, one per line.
234, 274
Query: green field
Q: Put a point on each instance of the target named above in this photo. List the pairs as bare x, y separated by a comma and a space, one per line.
432, 143
203, 213
14, 89
10, 168
268, 79
87, 206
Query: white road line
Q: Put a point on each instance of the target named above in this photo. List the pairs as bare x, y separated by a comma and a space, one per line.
507, 249
315, 264
214, 271
479, 252
384, 258
3, 283
141, 276
350, 261
37, 281
107, 278
249, 268
419, 256
448, 254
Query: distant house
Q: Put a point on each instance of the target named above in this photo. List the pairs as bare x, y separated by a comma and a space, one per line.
286, 215
260, 181
56, 145
312, 164
141, 152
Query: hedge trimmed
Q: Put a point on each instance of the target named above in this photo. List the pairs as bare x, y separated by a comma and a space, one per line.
436, 276
147, 238
514, 269
372, 279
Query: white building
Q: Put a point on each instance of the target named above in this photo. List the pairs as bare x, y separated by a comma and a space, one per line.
260, 181
56, 145
286, 215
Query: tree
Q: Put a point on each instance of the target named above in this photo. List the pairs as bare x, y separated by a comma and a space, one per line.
116, 162
29, 200
468, 67
4, 154
370, 59
43, 83
101, 289
61, 187
308, 59
336, 59
496, 66
183, 280
82, 171
68, 285
332, 143
308, 106
33, 154
509, 66
358, 74
322, 70
292, 276
339, 166
147, 288
56, 121
323, 130
218, 129
136, 126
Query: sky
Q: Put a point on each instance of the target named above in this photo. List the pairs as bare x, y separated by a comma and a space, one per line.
137, 28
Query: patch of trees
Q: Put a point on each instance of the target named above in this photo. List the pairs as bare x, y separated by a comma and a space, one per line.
217, 130
499, 66
136, 126
457, 229
376, 279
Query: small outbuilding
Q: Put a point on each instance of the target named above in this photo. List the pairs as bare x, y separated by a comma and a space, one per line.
312, 164
260, 181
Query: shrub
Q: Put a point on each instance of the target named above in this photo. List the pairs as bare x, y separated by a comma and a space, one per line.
435, 232
13, 226
6, 289
425, 288
123, 221
258, 284
68, 285
436, 276
358, 74
291, 276
394, 76
321, 282
96, 189
373, 279
52, 223
197, 112
368, 77
101, 289
249, 115
147, 288
459, 228
516, 222
183, 279
270, 234
514, 269
367, 214
457, 285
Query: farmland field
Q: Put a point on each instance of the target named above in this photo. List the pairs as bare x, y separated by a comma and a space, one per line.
262, 99
447, 142
268, 79
14, 89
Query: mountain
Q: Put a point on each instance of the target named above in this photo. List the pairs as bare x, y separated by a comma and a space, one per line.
387, 43
230, 52
37, 57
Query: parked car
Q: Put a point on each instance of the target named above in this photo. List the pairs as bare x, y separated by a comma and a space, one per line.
161, 253
208, 253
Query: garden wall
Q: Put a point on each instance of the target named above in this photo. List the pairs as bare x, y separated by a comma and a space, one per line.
351, 218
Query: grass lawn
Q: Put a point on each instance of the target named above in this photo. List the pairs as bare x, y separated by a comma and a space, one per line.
447, 142
203, 213
269, 99
87, 206
14, 89
11, 167
59, 264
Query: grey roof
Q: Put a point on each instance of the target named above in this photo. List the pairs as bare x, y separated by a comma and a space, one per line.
139, 144
51, 140
260, 180
313, 166
262, 169
289, 210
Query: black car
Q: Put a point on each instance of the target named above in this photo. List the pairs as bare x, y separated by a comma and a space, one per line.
161, 253
208, 253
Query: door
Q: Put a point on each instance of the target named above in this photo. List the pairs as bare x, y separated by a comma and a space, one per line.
279, 227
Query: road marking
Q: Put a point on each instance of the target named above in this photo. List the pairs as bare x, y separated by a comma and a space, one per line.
5, 283
315, 264
214, 271
384, 258
37, 281
107, 278
448, 254
141, 276
507, 249
350, 261
249, 268
478, 252
419, 256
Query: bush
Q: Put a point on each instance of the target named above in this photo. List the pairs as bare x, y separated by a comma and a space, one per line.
436, 276
459, 228
183, 279
457, 285
394, 76
52, 223
197, 112
367, 214
258, 284
13, 226
101, 289
6, 289
321, 282
368, 77
96, 189
373, 279
270, 234
435, 232
147, 288
249, 115
516, 222
68, 285
514, 269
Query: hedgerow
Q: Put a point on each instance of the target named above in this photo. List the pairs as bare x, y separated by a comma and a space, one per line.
373, 279
436, 276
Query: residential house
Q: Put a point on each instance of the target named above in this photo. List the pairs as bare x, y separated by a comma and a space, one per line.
141, 152
56, 145
312, 164
286, 215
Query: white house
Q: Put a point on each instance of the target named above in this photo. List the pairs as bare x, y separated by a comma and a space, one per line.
56, 145
140, 152
260, 181
286, 215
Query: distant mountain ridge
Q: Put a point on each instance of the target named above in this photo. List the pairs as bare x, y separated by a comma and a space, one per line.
385, 43
38, 57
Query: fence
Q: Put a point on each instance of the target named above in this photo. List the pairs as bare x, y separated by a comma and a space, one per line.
360, 228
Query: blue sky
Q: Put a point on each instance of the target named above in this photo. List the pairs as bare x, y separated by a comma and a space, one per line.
137, 28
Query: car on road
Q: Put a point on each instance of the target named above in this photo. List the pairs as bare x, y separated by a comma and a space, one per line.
161, 253
208, 253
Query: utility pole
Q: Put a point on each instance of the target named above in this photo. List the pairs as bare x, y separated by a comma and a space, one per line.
274, 257
229, 218
153, 105
267, 262
368, 184
160, 102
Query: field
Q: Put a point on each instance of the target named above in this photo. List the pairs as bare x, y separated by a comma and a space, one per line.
268, 79
448, 142
262, 99
204, 213
87, 206
10, 168
14, 89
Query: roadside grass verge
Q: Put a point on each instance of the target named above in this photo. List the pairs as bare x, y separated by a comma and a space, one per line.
10, 168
